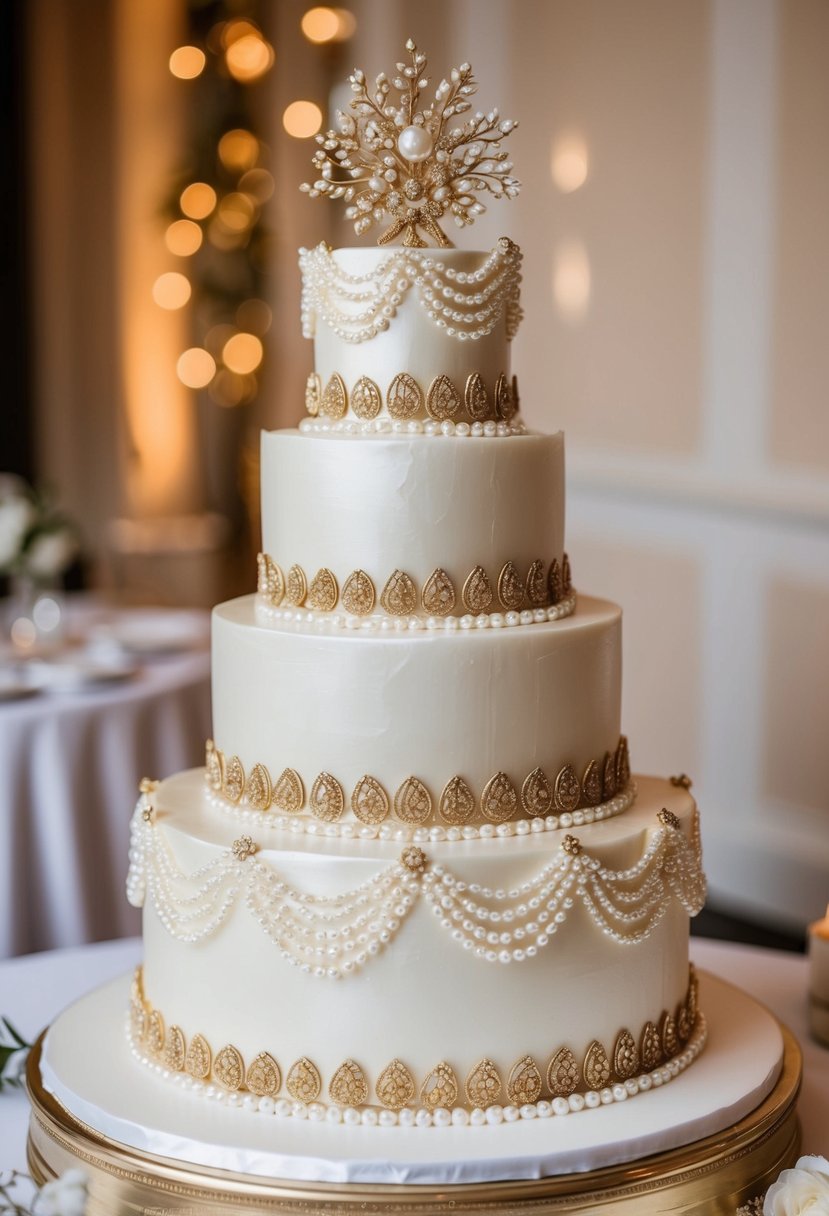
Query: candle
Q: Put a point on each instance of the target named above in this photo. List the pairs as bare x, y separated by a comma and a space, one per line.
819, 979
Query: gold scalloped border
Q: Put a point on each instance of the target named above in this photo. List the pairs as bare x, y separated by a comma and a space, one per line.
405, 398
412, 802
565, 1072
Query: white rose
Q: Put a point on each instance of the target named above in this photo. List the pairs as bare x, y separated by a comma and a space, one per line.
50, 553
16, 517
66, 1196
801, 1191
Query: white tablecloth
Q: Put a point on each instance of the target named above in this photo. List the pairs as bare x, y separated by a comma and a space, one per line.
34, 989
69, 770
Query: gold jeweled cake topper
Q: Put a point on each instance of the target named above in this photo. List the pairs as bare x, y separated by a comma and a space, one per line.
407, 165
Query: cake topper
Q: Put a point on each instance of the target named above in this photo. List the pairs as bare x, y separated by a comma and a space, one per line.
407, 165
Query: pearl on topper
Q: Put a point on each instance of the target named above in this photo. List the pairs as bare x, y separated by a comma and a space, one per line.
415, 143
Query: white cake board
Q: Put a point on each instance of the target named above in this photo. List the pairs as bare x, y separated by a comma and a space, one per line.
87, 1066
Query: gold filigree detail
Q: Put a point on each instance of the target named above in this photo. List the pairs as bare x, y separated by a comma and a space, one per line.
399, 596
668, 1035
175, 1049
505, 405
327, 800
683, 781
683, 1022
440, 1089
537, 794
457, 802
147, 785
567, 789
358, 593
270, 581
234, 785
199, 1058
214, 762
303, 1081
483, 1085
692, 997
243, 848
395, 1086
563, 1073
566, 577
263, 1077
625, 1056
536, 584
438, 596
596, 1068
323, 592
229, 1068
622, 763
258, 788
554, 590
442, 400
524, 1084
313, 394
148, 813
609, 776
413, 802
499, 800
477, 591
369, 801
404, 398
296, 586
349, 1086
516, 396
334, 400
366, 401
475, 398
288, 794
591, 785
414, 859
650, 1047
667, 818
510, 587
571, 845
138, 1018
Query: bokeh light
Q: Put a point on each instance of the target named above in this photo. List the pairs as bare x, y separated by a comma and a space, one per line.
196, 367
236, 212
183, 238
171, 290
569, 163
242, 353
217, 336
258, 183
249, 57
571, 280
254, 316
23, 633
302, 119
238, 149
229, 389
197, 200
187, 62
323, 24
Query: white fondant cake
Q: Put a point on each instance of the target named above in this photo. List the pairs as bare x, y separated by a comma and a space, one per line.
419, 876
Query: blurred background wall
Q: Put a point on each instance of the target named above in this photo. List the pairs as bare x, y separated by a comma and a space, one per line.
673, 217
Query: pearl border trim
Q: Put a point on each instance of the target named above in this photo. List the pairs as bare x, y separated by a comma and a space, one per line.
319, 1112
387, 426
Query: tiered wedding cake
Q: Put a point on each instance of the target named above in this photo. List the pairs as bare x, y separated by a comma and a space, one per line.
419, 886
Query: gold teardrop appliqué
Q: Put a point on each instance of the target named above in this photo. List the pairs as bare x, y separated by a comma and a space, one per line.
198, 1059
536, 584
457, 802
234, 785
175, 1051
562, 1073
499, 800
477, 591
609, 776
229, 1067
258, 788
261, 573
334, 400
358, 593
288, 794
592, 784
524, 1083
404, 398
516, 396
483, 1085
568, 790
327, 801
537, 794
395, 1086
504, 400
296, 586
366, 401
263, 1076
476, 398
566, 576
303, 1081
399, 596
440, 1087
650, 1047
349, 1086
596, 1069
625, 1056
438, 595
554, 582
443, 399
323, 592
622, 764
214, 763
683, 1025
369, 801
510, 588
668, 1035
313, 392
412, 801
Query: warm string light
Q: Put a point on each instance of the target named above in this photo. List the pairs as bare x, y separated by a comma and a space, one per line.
321, 24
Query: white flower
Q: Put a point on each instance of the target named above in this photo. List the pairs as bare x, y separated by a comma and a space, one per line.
16, 517
51, 552
801, 1191
66, 1196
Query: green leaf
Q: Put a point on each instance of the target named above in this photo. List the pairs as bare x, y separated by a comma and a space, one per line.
15, 1034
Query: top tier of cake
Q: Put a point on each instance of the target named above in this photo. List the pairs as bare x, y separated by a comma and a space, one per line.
412, 337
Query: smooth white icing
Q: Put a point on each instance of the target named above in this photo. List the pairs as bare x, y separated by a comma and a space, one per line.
399, 502
428, 705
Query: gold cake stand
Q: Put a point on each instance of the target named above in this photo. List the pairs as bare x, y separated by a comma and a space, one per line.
711, 1177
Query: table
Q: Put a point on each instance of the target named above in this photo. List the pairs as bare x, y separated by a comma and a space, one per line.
70, 766
34, 989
